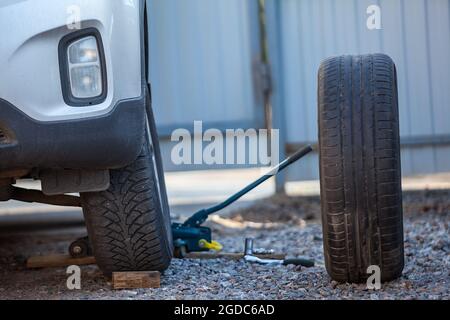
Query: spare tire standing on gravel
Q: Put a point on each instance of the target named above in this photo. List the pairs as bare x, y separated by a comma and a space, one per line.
360, 174
129, 224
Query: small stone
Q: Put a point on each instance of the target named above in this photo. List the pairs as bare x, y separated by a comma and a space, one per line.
374, 296
131, 293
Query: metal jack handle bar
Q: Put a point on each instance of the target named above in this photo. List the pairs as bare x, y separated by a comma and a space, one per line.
201, 216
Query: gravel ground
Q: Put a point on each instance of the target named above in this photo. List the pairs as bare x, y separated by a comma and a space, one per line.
288, 225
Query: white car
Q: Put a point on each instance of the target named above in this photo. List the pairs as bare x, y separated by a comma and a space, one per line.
75, 113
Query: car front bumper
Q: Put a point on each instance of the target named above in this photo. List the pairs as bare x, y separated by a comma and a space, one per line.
38, 129
109, 141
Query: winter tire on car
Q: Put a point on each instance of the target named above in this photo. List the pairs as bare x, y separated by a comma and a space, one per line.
129, 224
360, 174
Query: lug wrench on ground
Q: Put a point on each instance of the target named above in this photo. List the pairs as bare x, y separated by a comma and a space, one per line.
249, 257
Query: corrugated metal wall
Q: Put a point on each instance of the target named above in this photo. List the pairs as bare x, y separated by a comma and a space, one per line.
202, 52
201, 55
415, 33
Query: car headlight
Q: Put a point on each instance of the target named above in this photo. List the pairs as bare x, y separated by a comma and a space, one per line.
83, 71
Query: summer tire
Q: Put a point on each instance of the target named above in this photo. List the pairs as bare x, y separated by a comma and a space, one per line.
360, 173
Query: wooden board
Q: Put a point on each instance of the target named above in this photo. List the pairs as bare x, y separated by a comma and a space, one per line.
231, 256
54, 261
136, 280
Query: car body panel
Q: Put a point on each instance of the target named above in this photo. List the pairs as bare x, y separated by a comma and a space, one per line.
31, 31
37, 127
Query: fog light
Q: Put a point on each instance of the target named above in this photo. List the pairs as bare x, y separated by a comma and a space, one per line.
84, 68
86, 82
83, 51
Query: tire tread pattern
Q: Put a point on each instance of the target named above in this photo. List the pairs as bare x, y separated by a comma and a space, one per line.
360, 167
126, 222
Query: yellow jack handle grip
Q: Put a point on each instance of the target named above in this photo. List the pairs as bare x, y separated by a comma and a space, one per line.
213, 245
